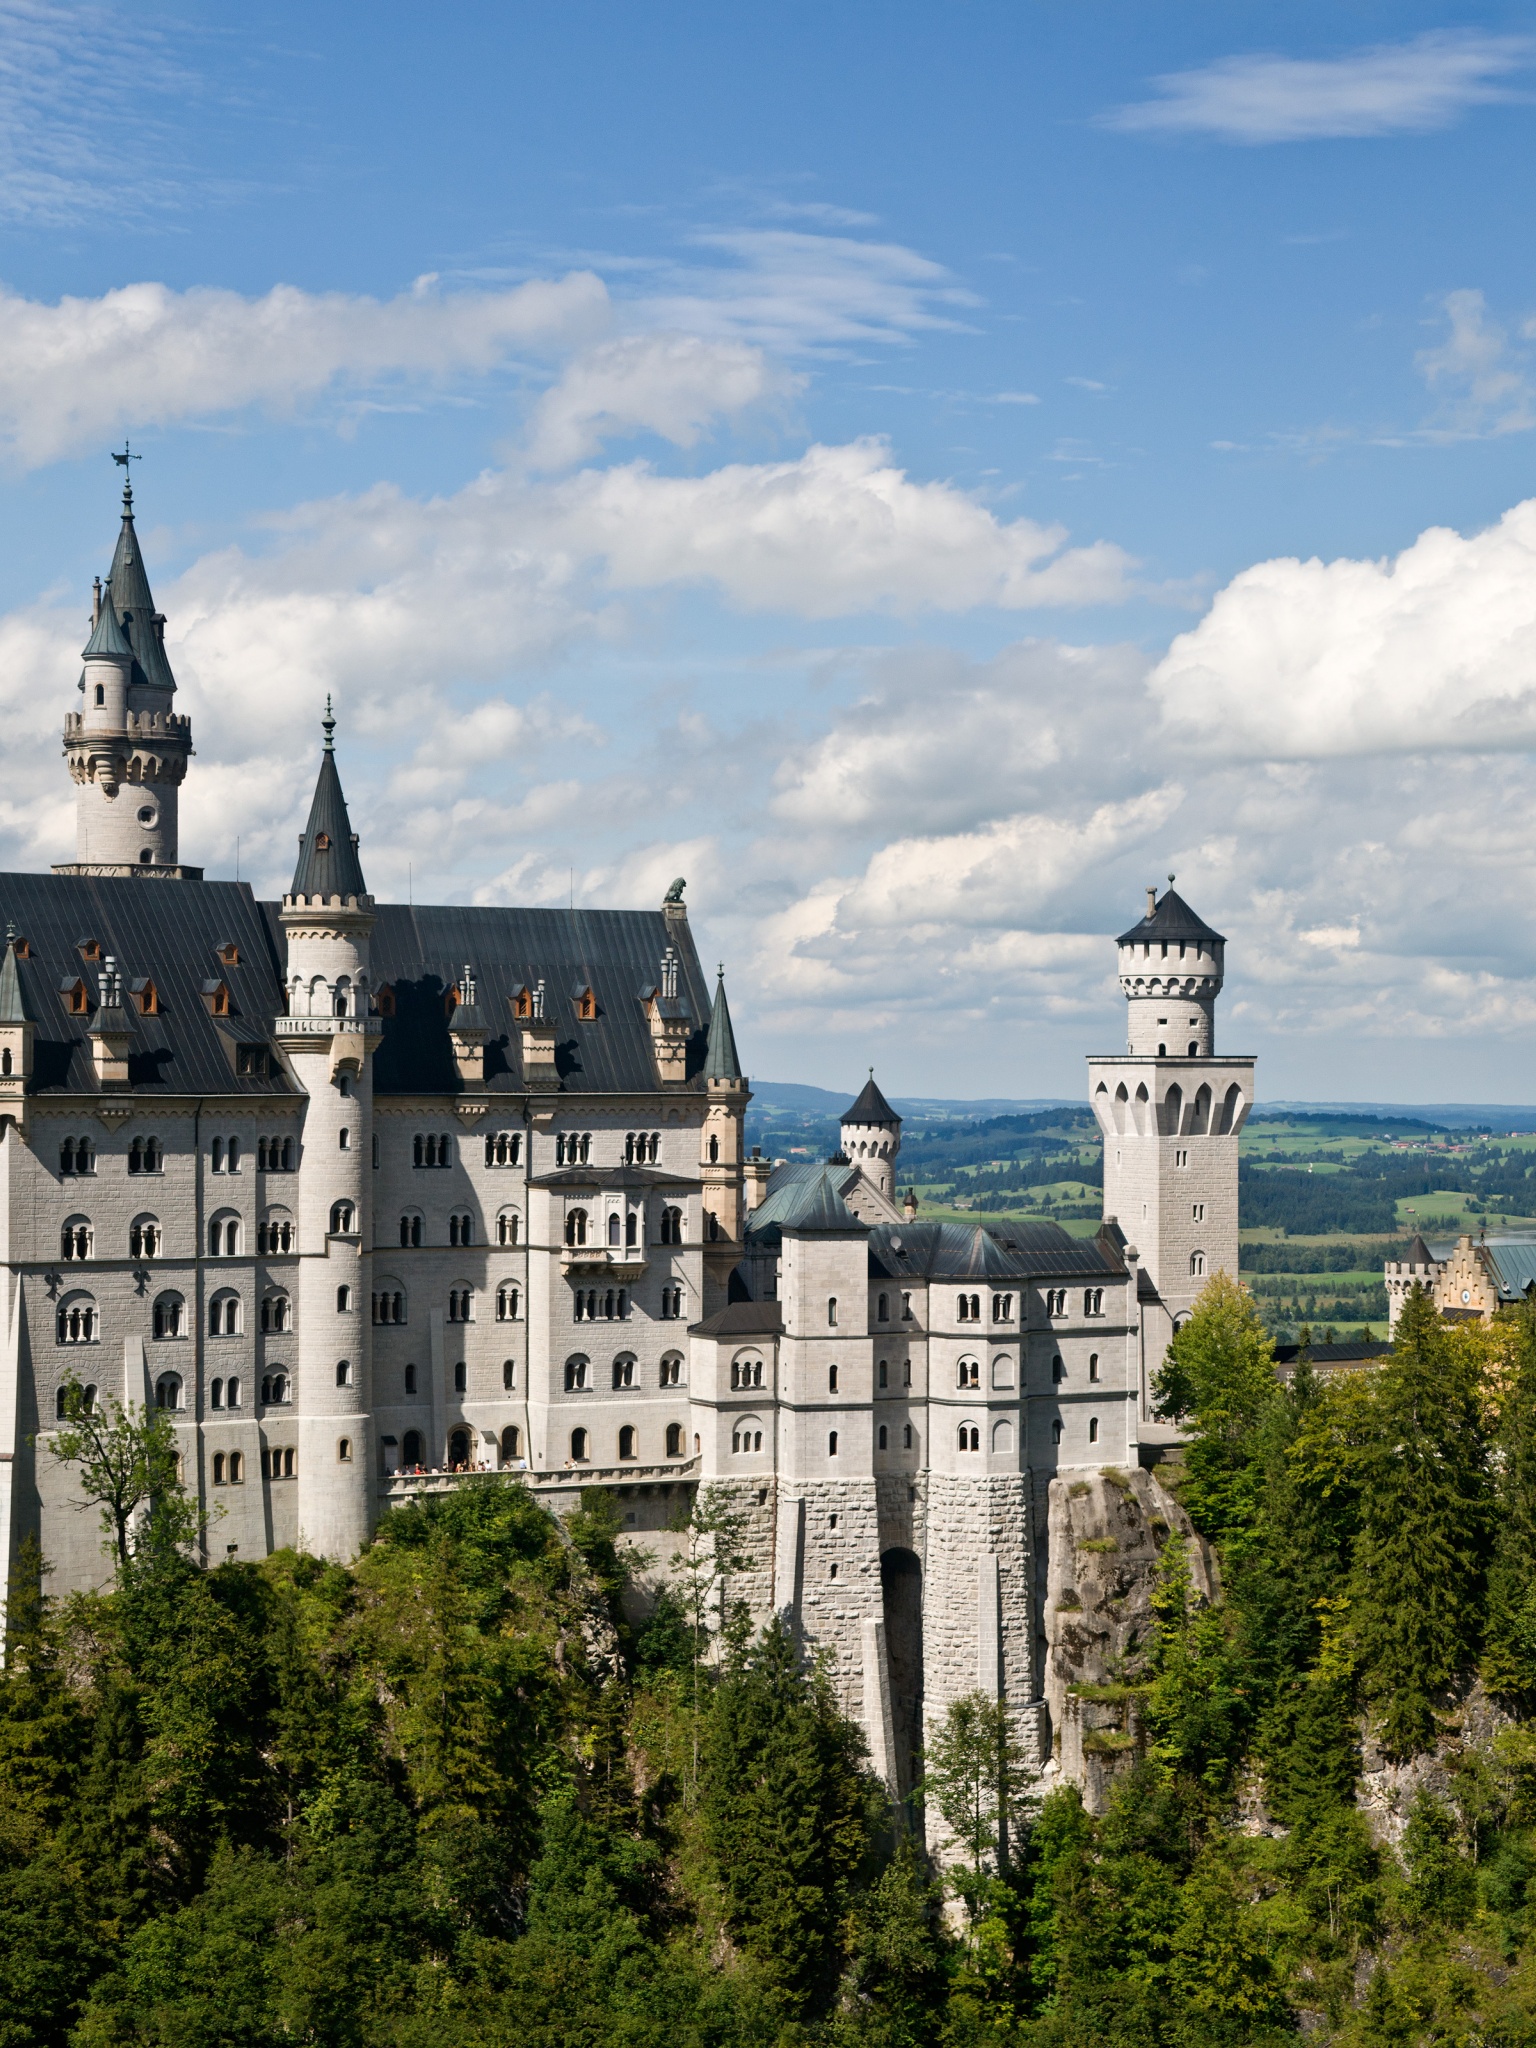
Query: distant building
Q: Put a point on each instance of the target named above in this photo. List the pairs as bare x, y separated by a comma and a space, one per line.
1468, 1280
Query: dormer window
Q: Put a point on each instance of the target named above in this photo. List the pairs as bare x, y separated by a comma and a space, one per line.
216, 995
76, 997
586, 1006
229, 954
322, 842
146, 997
23, 948
385, 1001
88, 949
522, 1002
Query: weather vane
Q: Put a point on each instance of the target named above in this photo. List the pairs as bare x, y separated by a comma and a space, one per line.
122, 460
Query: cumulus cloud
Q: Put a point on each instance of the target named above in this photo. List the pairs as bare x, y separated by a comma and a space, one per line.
1389, 89
147, 356
674, 385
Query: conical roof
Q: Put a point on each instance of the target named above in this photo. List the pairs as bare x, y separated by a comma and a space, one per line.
720, 1061
136, 606
1419, 1254
13, 1008
871, 1107
1169, 918
107, 635
328, 864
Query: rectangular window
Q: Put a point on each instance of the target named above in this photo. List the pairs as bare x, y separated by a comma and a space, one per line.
1181, 1158
1197, 1212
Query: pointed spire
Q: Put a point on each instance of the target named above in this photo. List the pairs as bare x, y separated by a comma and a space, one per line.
107, 635
871, 1106
135, 605
720, 1061
328, 863
13, 1008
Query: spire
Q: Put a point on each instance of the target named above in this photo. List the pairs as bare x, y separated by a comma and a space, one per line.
871, 1107
13, 1008
720, 1061
328, 863
107, 635
135, 605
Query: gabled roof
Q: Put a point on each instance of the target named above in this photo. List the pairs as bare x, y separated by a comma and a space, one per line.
871, 1107
720, 1061
575, 1179
136, 607
328, 864
107, 635
1171, 918
742, 1319
815, 1205
966, 1251
1514, 1264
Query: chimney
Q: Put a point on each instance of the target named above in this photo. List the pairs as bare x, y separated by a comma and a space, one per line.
909, 1206
111, 1030
1151, 901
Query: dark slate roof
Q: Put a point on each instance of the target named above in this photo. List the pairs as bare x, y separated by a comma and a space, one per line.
871, 1107
164, 929
1514, 1264
632, 1178
815, 1205
720, 1061
328, 864
742, 1319
1419, 1254
963, 1251
107, 635
419, 953
13, 1008
1172, 919
786, 1185
136, 607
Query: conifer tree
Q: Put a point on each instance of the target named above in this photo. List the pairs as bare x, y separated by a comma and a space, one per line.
1219, 1374
1417, 1587
1509, 1655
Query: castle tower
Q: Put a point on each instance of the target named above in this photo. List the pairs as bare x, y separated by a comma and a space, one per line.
127, 748
1170, 1111
721, 1147
871, 1137
328, 1034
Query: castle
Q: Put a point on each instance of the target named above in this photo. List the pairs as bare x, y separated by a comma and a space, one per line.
366, 1197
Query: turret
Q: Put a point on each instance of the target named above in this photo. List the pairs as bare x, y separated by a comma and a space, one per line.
16, 1034
329, 1032
871, 1137
1171, 968
721, 1146
127, 748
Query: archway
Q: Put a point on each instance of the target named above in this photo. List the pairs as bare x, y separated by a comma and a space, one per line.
901, 1589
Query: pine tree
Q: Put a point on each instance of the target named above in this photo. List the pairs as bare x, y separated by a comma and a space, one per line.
1417, 1588
1219, 1374
1509, 1655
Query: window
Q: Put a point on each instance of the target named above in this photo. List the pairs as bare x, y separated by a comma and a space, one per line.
906, 1436
344, 1136
831, 1443
576, 1369
615, 1228
432, 1148
970, 1437
461, 1305
509, 1227
410, 1379
461, 1227
576, 1227
275, 1235
511, 1443
1196, 1265
573, 1148
1181, 1158
1197, 1212
277, 1462
1056, 1431
881, 1371
76, 1238
1002, 1308
906, 1372
224, 1237
578, 1447
216, 1394
168, 1390
232, 1393
274, 1390
461, 1377
503, 1148
672, 1371
674, 1440
1058, 1371
881, 1438
412, 1450
624, 1370
970, 1308
276, 1313
145, 1156
224, 1316
906, 1309
375, 1148
627, 1441
671, 1304
343, 1219
343, 1372
1093, 1301
969, 1373
343, 1300
410, 1229
83, 1405
1093, 1429
1055, 1301
389, 1305
343, 1450
169, 1316
831, 1311
671, 1225
508, 1374
508, 1303
882, 1308
831, 1379
253, 1061
218, 1465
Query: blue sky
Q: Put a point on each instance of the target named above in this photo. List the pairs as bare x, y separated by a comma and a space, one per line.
922, 472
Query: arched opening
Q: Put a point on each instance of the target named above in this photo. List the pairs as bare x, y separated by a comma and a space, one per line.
458, 1450
410, 1450
901, 1593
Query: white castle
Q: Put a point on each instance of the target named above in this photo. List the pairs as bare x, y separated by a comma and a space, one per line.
368, 1197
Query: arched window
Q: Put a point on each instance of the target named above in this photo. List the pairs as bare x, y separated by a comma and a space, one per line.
831, 1443
672, 1370
410, 1379
168, 1390
627, 1442
712, 1226
969, 1373
343, 1218
343, 1372
218, 1468
883, 1308
674, 1440
276, 1236
577, 1367
232, 1391
508, 1374
970, 1437
216, 1394
631, 1229
343, 1450
169, 1316
274, 1390
831, 1311
906, 1436
224, 1236
509, 1227
671, 1225
461, 1305
714, 1151
411, 1450
459, 1444
614, 1228
502, 1148
1056, 1431
1196, 1265
461, 1377
145, 1156
578, 1447
76, 1156
76, 1238
276, 1313
511, 1443
576, 1227
1093, 1365
389, 1303
224, 1315
508, 1303
1093, 1301
881, 1438
1002, 1435
624, 1370
882, 1374
343, 1299
145, 1238
410, 1228
461, 1227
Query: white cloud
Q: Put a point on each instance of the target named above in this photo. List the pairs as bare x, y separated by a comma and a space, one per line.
1436, 648
1483, 381
675, 385
145, 355
1392, 88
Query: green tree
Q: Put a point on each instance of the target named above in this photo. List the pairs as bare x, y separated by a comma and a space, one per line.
1509, 1653
128, 1467
974, 1773
1442, 1882
1195, 1704
1219, 1374
713, 1553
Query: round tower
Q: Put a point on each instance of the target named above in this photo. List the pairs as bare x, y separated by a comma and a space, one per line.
127, 748
871, 1138
329, 1034
1171, 967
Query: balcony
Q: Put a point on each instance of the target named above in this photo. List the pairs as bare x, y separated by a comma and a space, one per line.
327, 1027
623, 1261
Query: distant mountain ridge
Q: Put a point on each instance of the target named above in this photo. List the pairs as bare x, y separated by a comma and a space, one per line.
797, 1097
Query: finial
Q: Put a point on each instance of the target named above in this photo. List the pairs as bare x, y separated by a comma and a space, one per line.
329, 724
1170, 881
122, 462
10, 931
720, 969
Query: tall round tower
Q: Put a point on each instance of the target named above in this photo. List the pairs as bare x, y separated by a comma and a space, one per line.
329, 1034
127, 748
871, 1137
1171, 967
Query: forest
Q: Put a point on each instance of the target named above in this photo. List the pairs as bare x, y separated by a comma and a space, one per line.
452, 1794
